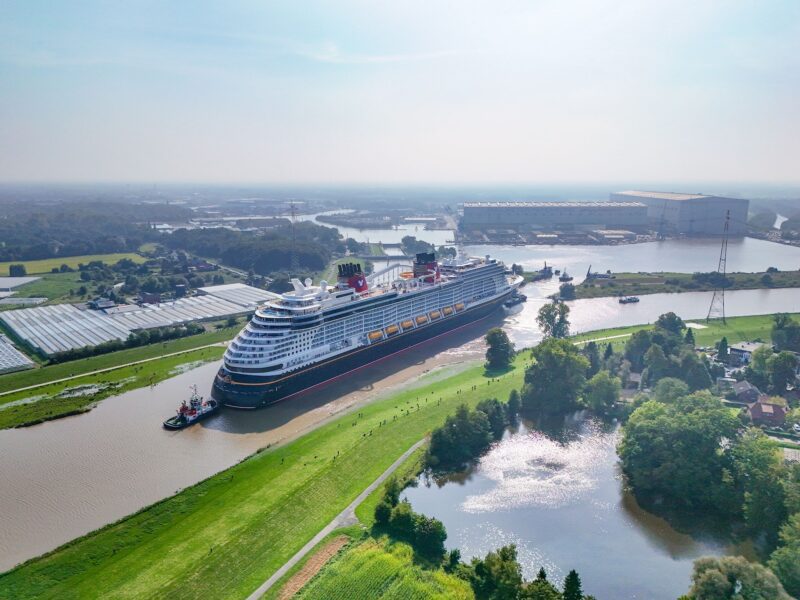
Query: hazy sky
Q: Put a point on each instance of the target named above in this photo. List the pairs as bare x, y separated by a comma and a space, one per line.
403, 91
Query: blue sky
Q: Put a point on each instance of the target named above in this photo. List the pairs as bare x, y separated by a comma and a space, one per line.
413, 91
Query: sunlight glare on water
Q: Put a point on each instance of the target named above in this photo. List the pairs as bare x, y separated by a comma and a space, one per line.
535, 470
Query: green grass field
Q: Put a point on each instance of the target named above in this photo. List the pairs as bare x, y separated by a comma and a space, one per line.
34, 267
638, 284
224, 536
738, 329
382, 570
53, 286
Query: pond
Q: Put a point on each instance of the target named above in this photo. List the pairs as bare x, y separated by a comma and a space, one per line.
560, 498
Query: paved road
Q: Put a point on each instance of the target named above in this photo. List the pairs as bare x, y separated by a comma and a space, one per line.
343, 519
107, 369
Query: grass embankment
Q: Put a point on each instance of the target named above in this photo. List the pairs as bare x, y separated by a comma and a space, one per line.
382, 569
84, 388
738, 329
638, 284
226, 535
46, 265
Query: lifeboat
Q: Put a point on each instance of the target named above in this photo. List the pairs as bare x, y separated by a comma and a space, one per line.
406, 325
459, 307
407, 275
392, 329
447, 311
374, 336
422, 319
435, 314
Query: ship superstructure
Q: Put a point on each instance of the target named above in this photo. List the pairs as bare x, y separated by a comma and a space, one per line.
314, 333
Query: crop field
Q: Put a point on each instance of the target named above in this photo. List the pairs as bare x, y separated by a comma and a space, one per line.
46, 265
382, 570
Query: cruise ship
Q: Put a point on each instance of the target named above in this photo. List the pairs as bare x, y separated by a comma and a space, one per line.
316, 333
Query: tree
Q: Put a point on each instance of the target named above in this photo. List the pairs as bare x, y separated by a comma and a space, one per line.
429, 537
463, 437
657, 363
694, 372
722, 350
635, 348
681, 452
17, 270
555, 380
602, 392
669, 389
500, 350
786, 333
759, 469
498, 576
734, 578
514, 404
566, 291
592, 352
609, 352
781, 371
572, 586
496, 414
785, 561
671, 322
553, 320
689, 337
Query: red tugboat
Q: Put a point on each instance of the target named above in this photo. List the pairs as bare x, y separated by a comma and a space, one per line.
193, 411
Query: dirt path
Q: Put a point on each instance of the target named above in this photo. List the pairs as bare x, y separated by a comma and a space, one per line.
312, 567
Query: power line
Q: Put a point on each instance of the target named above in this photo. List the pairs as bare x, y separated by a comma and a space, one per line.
717, 307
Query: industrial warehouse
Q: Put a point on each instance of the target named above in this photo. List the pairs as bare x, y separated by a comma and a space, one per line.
689, 214
62, 327
628, 216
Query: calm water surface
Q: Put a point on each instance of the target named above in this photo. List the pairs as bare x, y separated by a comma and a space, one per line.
561, 501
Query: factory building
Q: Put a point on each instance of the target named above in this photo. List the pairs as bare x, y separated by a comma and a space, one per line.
552, 216
691, 214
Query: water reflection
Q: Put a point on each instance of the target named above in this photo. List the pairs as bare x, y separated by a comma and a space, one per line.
560, 498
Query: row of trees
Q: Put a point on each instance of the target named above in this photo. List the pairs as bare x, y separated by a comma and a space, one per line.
30, 231
311, 245
466, 434
135, 339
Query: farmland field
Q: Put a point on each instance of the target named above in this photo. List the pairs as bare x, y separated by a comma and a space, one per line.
46, 265
382, 570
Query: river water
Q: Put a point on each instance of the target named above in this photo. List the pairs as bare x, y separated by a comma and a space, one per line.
67, 477
561, 500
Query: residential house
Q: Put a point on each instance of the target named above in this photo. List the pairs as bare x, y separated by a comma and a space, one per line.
741, 353
765, 412
745, 392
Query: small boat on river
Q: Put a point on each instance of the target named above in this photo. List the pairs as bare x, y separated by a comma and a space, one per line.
515, 299
192, 411
628, 299
565, 277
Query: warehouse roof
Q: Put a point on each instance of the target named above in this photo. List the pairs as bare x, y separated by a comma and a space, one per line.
663, 195
551, 204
